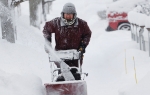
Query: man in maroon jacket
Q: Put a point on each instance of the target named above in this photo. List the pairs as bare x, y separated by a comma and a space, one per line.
70, 31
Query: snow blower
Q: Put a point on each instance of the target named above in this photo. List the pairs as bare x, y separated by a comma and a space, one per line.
71, 79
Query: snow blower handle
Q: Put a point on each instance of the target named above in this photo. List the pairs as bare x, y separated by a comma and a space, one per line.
82, 49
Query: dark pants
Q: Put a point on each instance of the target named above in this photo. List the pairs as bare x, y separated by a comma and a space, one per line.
73, 63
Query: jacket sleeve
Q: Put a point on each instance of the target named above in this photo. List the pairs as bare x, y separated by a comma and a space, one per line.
86, 34
48, 30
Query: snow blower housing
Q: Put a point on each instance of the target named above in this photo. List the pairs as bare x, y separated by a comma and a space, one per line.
67, 85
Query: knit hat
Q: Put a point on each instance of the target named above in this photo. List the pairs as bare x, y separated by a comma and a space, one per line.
70, 9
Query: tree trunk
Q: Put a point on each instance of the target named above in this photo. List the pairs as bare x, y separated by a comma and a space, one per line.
7, 24
46, 8
43, 10
35, 12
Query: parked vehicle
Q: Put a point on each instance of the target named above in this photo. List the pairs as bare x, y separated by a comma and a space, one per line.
117, 14
117, 21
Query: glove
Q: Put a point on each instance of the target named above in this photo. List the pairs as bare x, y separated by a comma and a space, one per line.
82, 47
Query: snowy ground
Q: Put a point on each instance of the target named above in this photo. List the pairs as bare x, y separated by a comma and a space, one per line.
24, 66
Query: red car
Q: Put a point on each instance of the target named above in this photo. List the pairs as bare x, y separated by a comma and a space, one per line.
118, 21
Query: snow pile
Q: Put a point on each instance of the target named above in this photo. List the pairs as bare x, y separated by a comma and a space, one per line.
123, 5
147, 22
140, 17
130, 18
142, 88
14, 84
141, 22
112, 46
135, 15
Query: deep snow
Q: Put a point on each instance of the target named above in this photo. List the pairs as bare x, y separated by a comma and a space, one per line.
24, 66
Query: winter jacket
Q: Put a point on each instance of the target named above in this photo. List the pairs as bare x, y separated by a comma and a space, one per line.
67, 37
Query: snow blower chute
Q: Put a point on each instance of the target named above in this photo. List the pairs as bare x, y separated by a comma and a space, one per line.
71, 79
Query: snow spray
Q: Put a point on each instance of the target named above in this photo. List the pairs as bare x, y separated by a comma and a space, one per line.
51, 51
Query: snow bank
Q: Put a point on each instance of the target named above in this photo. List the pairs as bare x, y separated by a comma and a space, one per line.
141, 19
147, 22
138, 17
133, 17
142, 88
123, 5
92, 9
14, 84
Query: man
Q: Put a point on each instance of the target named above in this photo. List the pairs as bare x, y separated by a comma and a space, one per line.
70, 31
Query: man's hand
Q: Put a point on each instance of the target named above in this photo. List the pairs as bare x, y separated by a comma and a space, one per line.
82, 47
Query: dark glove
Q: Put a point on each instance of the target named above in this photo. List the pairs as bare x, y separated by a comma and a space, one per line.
82, 47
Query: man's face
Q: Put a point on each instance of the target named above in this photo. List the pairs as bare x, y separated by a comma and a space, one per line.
68, 16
